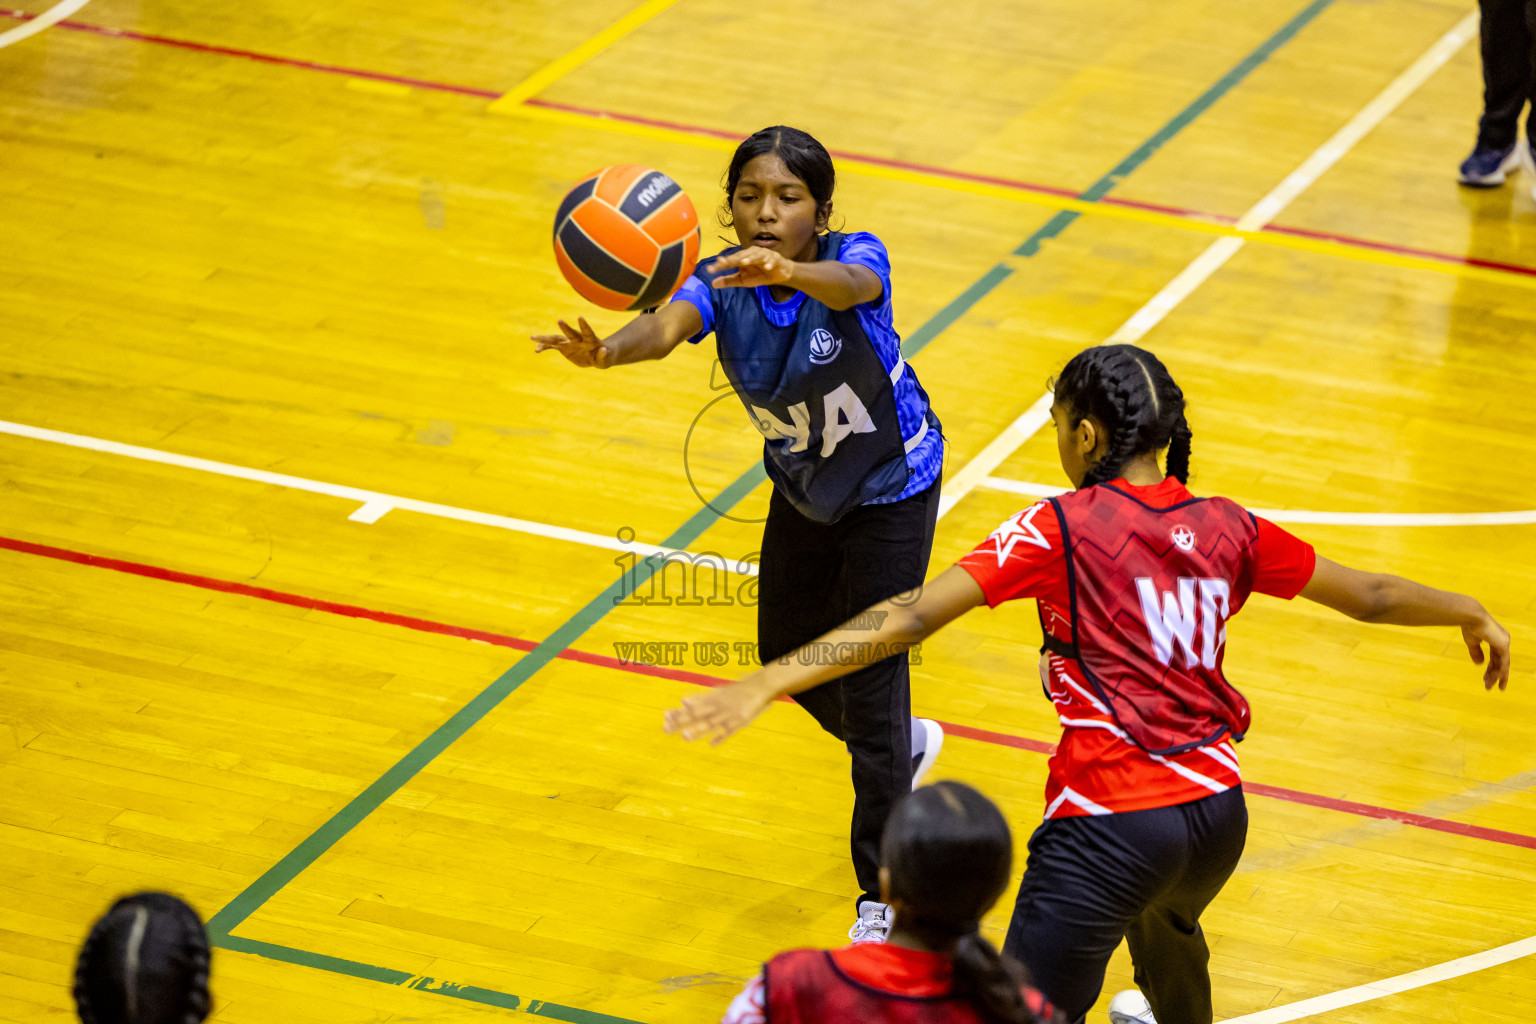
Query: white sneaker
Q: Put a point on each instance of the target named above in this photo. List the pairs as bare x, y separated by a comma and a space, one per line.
1130, 1007
874, 923
931, 747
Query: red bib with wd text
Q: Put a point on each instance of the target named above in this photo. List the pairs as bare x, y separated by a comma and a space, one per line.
1150, 592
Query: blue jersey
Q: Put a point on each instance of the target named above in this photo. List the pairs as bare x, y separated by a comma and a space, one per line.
808, 373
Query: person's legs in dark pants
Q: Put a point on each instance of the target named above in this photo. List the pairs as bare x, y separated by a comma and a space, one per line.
815, 576
1506, 32
1530, 63
798, 599
1168, 949
1092, 880
1073, 907
886, 550
798, 578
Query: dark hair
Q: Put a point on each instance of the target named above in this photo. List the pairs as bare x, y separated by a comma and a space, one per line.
806, 159
1130, 391
950, 856
145, 962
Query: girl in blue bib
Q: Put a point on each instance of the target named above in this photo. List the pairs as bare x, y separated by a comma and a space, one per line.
803, 324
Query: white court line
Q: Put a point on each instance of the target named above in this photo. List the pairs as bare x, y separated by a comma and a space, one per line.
47, 19
1294, 515
373, 504
1219, 252
998, 483
1390, 986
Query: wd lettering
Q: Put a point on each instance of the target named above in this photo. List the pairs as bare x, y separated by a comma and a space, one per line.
1129, 569
1173, 620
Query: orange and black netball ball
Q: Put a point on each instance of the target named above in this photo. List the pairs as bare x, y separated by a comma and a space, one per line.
626, 237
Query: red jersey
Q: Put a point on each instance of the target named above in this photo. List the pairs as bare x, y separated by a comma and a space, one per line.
1098, 768
870, 981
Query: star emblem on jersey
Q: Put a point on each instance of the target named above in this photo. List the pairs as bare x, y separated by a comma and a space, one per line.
1020, 528
1184, 538
824, 347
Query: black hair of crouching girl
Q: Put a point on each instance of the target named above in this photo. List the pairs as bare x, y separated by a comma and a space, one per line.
144, 962
947, 859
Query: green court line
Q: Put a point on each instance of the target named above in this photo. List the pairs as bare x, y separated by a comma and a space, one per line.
366, 802
941, 320
403, 979
312, 848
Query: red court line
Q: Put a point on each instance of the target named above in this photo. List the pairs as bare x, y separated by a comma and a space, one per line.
1456, 828
1401, 250
265, 58
700, 679
715, 133
903, 165
155, 572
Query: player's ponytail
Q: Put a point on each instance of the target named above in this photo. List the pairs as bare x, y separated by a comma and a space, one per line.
145, 962
1178, 451
950, 855
1130, 392
996, 985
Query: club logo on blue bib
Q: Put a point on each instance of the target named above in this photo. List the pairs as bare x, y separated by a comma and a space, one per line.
824, 347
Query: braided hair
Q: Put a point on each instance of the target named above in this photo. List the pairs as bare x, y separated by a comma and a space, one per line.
145, 962
950, 855
1131, 393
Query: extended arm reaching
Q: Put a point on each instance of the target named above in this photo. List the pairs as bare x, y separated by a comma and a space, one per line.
647, 336
834, 284
1377, 597
900, 622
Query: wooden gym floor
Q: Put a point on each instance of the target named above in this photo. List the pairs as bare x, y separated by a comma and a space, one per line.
312, 574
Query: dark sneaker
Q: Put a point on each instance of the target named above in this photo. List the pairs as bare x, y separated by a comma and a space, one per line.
1488, 167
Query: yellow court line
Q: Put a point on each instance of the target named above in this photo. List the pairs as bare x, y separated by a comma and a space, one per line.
1327, 247
867, 169
562, 66
615, 126
1365, 254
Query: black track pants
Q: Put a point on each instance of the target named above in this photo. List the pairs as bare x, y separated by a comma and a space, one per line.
815, 576
1142, 875
1508, 32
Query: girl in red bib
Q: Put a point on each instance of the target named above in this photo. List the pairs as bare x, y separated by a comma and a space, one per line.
1135, 579
947, 855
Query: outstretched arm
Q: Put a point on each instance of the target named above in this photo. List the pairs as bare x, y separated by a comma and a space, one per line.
647, 336
903, 620
834, 284
1377, 597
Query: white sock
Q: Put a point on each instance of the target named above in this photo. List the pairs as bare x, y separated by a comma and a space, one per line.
919, 739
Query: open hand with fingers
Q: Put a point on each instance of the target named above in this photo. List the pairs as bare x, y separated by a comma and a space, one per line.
718, 714
581, 347
752, 267
1497, 638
